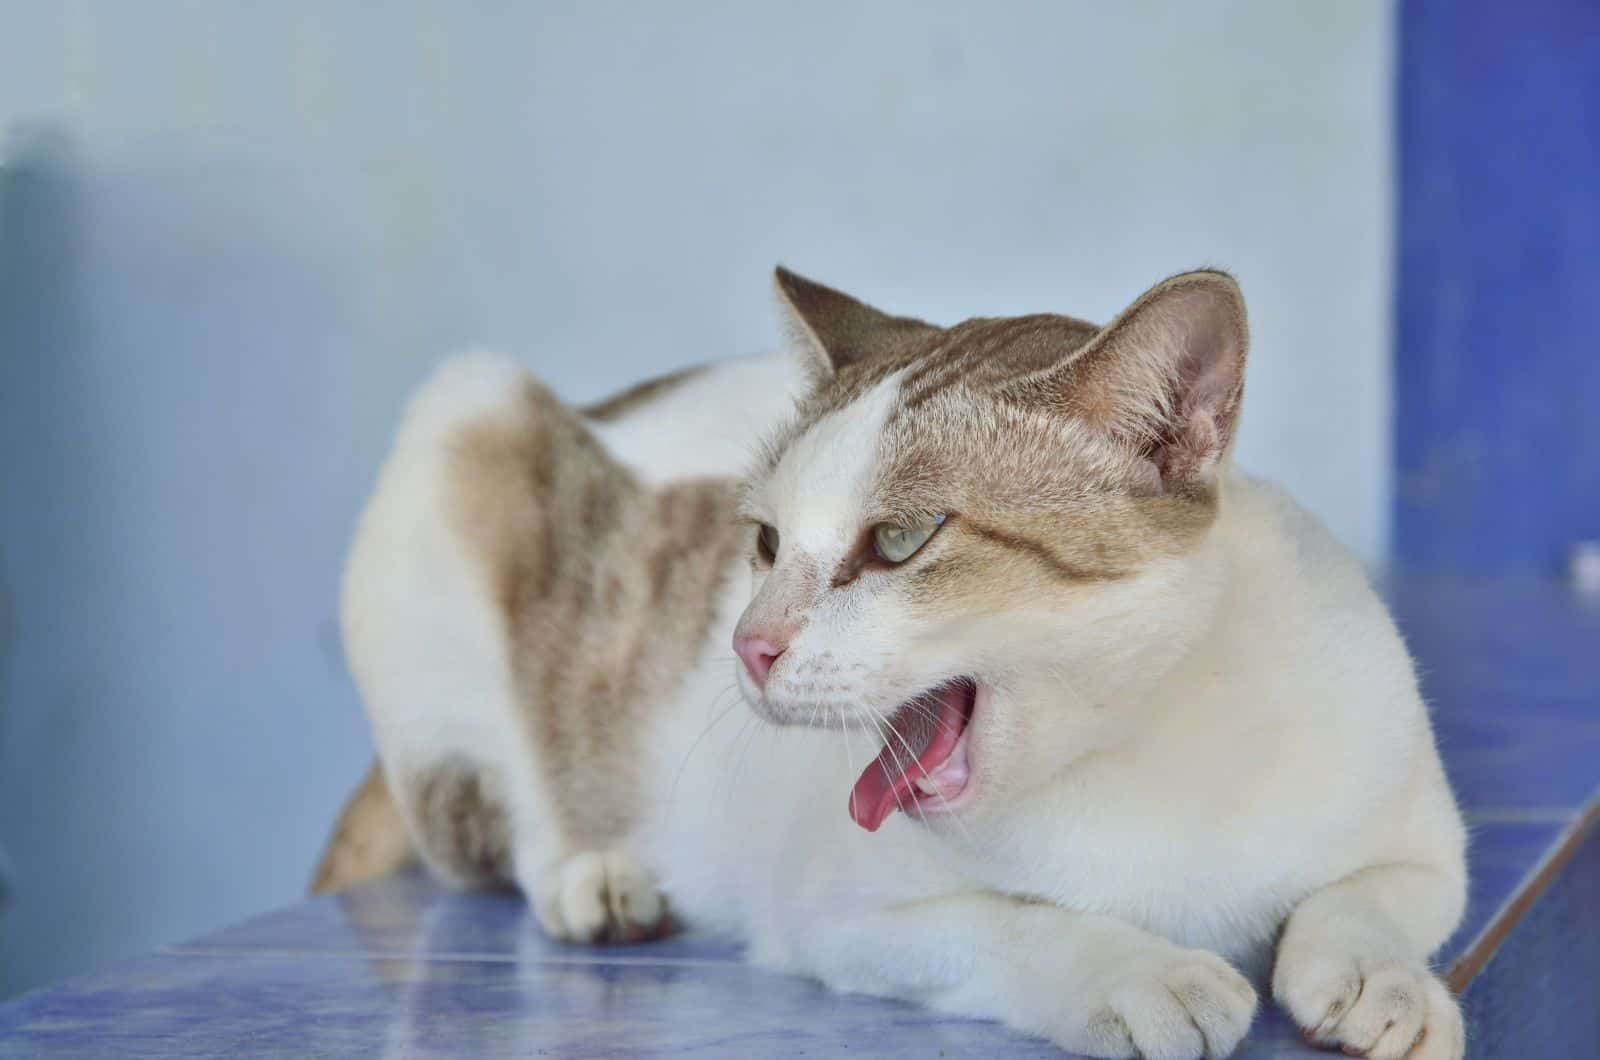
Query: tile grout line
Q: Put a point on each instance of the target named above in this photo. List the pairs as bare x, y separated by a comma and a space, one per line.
444, 957
1534, 883
1521, 814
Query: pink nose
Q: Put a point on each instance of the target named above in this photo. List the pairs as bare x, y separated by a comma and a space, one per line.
758, 654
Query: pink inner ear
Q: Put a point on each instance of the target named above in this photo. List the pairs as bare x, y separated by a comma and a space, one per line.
1208, 381
1213, 356
1209, 384
1205, 403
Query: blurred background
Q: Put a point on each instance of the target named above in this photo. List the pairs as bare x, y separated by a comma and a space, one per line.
233, 236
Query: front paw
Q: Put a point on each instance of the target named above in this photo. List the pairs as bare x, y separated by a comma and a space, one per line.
599, 897
1182, 1005
1383, 1010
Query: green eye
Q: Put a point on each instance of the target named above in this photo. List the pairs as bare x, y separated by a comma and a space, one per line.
897, 544
767, 542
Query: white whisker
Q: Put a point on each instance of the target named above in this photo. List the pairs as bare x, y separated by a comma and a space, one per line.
889, 723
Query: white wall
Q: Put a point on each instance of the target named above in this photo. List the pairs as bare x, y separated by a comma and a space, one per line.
233, 236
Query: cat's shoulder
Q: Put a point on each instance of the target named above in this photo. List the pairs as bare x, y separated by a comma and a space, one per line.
1274, 528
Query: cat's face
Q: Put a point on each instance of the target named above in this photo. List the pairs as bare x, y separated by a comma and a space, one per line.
974, 547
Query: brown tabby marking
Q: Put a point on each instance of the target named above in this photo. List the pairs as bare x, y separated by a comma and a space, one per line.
606, 588
462, 822
368, 843
1041, 553
620, 404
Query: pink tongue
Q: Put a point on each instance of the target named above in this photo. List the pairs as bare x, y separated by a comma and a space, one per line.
881, 789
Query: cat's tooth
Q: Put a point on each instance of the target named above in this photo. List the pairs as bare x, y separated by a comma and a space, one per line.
926, 787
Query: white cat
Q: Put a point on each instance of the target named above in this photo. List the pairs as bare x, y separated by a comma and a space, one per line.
1062, 719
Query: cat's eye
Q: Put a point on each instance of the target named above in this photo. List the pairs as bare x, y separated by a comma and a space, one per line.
767, 542
896, 544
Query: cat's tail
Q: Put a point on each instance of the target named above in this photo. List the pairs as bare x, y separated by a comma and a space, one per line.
369, 842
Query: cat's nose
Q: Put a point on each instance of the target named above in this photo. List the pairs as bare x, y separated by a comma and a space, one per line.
758, 654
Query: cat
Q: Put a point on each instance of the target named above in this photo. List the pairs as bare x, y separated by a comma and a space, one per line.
1042, 710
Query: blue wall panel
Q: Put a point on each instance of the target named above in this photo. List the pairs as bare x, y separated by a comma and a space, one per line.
1497, 371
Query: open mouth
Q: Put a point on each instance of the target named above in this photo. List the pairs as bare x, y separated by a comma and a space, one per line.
923, 764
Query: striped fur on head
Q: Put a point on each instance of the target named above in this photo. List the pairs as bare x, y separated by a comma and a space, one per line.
1073, 471
1040, 425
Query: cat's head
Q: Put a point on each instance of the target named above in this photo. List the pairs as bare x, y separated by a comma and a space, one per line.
980, 545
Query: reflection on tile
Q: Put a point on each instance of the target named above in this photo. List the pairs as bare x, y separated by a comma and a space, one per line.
393, 1007
409, 926
411, 915
335, 1005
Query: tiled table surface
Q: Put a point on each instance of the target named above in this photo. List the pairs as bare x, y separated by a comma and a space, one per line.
402, 969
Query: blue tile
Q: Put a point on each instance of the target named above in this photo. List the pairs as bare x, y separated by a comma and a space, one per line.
344, 1006
1532, 637
1499, 757
1511, 671
421, 992
409, 915
334, 1005
1498, 858
408, 924
1540, 993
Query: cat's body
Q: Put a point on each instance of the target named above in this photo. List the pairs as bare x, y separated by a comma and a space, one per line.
1184, 718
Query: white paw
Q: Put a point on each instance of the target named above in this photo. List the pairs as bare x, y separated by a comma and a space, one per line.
600, 897
1382, 1010
1184, 1005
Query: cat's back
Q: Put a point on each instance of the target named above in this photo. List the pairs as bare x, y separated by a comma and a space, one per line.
495, 492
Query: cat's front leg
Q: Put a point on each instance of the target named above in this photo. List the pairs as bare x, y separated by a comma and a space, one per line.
1091, 984
1352, 966
594, 896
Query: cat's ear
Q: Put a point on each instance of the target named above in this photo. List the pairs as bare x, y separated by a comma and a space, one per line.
834, 330
1167, 376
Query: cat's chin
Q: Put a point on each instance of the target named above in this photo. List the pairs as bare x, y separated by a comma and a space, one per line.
924, 768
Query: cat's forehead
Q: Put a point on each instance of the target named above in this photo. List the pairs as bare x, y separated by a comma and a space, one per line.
929, 382
980, 354
919, 442
929, 395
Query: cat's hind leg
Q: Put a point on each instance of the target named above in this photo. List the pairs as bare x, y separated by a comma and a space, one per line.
584, 594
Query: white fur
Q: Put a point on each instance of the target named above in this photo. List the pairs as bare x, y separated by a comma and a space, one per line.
1267, 743
816, 494
424, 643
708, 424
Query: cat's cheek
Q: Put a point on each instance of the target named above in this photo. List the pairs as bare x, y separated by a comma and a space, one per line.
981, 747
